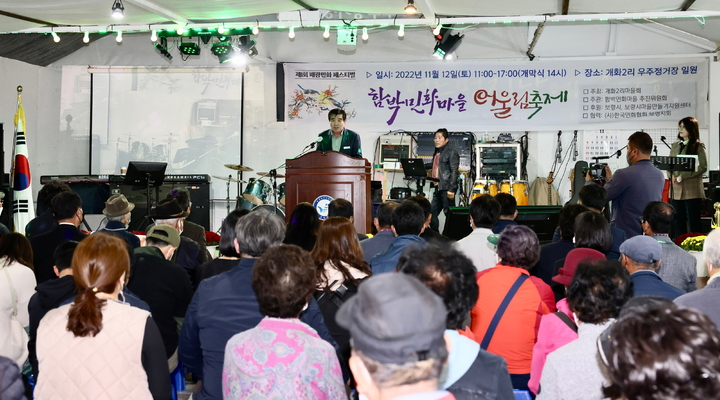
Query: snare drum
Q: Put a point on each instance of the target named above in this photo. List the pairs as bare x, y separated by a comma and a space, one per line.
257, 192
281, 193
280, 210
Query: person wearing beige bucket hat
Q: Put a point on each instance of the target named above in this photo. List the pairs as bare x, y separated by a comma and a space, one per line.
117, 211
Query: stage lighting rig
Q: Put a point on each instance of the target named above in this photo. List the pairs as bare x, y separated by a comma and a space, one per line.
446, 43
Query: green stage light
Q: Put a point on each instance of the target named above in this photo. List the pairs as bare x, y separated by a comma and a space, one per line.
191, 49
221, 48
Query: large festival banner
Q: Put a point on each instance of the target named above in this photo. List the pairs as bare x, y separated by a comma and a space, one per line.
520, 94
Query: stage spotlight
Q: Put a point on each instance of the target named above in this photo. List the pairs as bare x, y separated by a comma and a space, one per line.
118, 38
118, 9
86, 37
326, 34
446, 43
190, 49
410, 7
401, 31
255, 30
365, 34
55, 37
291, 33
162, 48
247, 46
221, 48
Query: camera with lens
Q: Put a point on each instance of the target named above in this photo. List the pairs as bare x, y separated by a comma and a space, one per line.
597, 172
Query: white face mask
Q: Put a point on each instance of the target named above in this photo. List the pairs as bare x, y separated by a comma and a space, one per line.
362, 397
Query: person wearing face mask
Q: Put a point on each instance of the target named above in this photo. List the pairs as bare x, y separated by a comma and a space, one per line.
338, 138
688, 190
162, 284
97, 338
118, 211
188, 255
444, 168
631, 188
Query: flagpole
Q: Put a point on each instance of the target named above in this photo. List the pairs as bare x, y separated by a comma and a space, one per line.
15, 131
23, 210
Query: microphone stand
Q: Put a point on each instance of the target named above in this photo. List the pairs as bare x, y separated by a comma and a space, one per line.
662, 139
655, 150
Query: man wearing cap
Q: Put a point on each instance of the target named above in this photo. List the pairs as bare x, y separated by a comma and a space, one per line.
162, 284
189, 254
679, 268
117, 211
399, 348
707, 298
641, 256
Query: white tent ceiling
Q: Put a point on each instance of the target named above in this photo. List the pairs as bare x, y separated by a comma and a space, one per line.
147, 12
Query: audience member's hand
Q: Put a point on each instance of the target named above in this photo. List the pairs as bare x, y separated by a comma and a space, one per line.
451, 195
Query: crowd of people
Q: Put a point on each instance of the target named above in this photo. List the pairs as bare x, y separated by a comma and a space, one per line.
310, 309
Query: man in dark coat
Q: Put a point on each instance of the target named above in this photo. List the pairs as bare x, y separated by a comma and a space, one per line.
67, 207
162, 284
446, 162
337, 138
117, 211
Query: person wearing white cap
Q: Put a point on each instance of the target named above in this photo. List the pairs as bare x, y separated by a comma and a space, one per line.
641, 256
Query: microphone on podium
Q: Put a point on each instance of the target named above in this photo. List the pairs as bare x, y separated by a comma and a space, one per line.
314, 143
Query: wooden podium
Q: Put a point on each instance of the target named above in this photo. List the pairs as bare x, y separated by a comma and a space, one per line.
332, 174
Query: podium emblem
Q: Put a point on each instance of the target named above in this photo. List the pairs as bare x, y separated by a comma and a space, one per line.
321, 204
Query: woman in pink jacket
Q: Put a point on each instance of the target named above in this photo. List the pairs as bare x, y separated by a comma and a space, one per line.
559, 328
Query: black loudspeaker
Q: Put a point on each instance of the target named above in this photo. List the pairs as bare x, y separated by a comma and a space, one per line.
714, 178
199, 196
541, 219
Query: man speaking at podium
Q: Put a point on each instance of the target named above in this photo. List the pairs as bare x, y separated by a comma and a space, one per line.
337, 138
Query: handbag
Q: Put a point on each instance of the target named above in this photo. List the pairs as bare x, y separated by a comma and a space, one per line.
15, 346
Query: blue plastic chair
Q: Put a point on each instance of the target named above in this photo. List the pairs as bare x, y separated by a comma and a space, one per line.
177, 381
522, 395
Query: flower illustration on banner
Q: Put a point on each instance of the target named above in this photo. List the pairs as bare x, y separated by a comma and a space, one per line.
311, 100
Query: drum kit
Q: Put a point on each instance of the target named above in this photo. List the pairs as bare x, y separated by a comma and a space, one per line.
257, 193
517, 189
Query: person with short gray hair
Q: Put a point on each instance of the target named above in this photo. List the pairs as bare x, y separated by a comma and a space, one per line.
707, 298
257, 232
226, 304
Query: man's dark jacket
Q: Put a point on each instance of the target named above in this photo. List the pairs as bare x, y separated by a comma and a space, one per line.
448, 165
165, 287
44, 246
350, 144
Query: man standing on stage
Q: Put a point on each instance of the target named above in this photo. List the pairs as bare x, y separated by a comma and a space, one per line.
631, 189
337, 138
445, 168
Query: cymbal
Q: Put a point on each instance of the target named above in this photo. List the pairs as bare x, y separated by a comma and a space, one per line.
238, 167
268, 174
227, 178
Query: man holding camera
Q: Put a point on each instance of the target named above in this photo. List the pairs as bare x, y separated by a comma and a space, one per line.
631, 189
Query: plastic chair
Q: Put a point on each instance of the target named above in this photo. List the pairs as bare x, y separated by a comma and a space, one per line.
522, 395
177, 381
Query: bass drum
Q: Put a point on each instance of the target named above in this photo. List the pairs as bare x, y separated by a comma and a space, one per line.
280, 210
257, 192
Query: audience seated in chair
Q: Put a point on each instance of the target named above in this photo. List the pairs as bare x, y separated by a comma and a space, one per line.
484, 214
383, 223
641, 256
408, 223
513, 334
229, 258
302, 227
679, 268
451, 276
399, 349
596, 294
282, 357
662, 352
